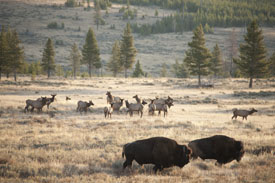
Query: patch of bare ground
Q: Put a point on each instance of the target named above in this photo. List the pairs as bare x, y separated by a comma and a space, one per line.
62, 145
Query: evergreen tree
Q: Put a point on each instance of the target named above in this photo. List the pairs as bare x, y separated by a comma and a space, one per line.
232, 51
97, 18
180, 70
75, 59
216, 61
163, 71
59, 70
48, 62
114, 65
128, 50
90, 52
198, 56
252, 61
272, 65
9, 54
15, 54
3, 50
138, 70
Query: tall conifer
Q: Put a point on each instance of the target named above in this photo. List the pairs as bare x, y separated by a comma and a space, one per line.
48, 62
216, 61
198, 56
90, 52
252, 61
114, 64
128, 50
75, 59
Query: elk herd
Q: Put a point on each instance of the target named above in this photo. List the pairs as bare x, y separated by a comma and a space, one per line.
155, 105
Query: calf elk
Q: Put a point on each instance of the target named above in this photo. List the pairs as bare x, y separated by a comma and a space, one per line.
83, 106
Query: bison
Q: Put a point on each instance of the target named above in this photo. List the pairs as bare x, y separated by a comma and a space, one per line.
219, 147
160, 151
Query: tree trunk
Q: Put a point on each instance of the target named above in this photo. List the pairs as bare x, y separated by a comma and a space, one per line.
8, 74
90, 70
199, 80
250, 82
0, 73
15, 78
125, 73
74, 70
49, 73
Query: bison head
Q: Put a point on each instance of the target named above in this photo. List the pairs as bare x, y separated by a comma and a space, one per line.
183, 155
239, 150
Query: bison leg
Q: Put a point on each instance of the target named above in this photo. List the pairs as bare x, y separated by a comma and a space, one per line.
127, 163
141, 113
26, 108
156, 168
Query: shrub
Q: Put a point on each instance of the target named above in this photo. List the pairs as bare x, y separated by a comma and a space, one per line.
70, 3
52, 25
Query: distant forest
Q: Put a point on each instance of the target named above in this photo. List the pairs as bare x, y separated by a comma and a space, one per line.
213, 13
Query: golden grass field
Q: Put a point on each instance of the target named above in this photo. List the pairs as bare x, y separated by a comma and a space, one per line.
61, 145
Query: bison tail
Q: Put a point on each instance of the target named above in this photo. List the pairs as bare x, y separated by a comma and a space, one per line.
123, 150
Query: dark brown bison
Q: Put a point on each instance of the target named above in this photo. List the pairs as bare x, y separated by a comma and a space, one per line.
219, 147
160, 151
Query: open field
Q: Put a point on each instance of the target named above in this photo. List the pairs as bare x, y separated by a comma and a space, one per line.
30, 19
61, 145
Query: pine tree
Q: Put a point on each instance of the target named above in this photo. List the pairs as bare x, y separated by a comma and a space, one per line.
163, 71
75, 59
97, 18
232, 52
138, 70
90, 52
3, 50
48, 62
128, 50
9, 54
272, 65
216, 61
198, 56
180, 70
252, 61
114, 65
15, 54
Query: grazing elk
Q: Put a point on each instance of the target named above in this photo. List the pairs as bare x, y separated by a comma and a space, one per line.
169, 101
135, 107
112, 99
242, 113
36, 104
137, 99
117, 105
83, 106
152, 107
108, 111
160, 151
49, 100
219, 147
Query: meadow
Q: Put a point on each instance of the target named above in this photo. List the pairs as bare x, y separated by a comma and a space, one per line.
62, 145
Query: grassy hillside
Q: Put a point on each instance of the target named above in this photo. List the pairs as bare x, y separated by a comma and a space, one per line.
30, 19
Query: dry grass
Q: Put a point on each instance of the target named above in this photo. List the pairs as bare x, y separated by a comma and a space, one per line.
61, 145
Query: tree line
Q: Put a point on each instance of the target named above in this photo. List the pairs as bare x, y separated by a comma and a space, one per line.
212, 13
11, 56
199, 61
